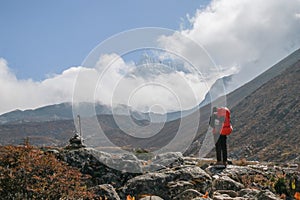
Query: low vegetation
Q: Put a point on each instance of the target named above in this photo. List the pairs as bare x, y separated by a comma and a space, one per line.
27, 172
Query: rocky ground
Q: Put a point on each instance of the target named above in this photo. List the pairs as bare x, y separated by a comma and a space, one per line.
173, 176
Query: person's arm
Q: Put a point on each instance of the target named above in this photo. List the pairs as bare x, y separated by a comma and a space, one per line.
212, 120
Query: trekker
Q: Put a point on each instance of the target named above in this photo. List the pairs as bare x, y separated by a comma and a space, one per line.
220, 122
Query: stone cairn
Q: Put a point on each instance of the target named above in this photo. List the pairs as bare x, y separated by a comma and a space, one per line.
75, 142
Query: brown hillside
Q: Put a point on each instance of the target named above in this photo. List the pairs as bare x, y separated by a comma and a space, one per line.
267, 122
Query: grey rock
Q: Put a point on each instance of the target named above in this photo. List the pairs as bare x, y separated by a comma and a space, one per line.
248, 192
76, 142
234, 172
165, 182
176, 187
151, 198
105, 191
129, 157
100, 166
188, 194
151, 183
226, 183
231, 193
219, 196
133, 166
54, 151
168, 159
152, 167
266, 195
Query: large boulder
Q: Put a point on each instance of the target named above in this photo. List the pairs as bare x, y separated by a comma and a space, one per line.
169, 158
104, 168
169, 183
230, 193
226, 183
248, 193
266, 195
235, 172
189, 194
163, 161
105, 191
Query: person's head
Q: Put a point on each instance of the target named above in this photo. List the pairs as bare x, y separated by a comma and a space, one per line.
214, 109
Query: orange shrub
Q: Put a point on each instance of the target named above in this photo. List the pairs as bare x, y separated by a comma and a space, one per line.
29, 173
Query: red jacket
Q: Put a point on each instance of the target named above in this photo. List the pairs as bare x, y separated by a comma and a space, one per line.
224, 113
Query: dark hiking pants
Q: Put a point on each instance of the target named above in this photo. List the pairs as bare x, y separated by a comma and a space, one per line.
221, 148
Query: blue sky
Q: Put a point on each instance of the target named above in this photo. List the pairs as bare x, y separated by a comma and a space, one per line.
40, 38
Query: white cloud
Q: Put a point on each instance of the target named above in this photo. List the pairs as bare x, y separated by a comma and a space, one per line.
253, 35
24, 94
122, 83
111, 82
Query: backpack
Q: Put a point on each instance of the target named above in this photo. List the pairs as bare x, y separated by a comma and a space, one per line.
224, 113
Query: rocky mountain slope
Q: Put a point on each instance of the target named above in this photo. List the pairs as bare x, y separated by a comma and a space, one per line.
267, 122
239, 94
216, 90
66, 111
48, 113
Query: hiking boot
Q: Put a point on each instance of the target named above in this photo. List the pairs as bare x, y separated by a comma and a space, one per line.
219, 163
